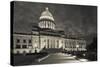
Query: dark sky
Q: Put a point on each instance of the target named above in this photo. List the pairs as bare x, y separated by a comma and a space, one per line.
74, 19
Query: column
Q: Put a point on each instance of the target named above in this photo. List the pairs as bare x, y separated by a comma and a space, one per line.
50, 25
43, 24
46, 24
51, 43
48, 43
57, 43
54, 43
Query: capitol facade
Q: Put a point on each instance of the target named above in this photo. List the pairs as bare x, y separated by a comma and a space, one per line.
45, 36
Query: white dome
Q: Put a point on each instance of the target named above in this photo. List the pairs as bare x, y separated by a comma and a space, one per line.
46, 15
46, 20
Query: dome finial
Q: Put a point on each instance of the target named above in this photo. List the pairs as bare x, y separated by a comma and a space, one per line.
46, 8
46, 14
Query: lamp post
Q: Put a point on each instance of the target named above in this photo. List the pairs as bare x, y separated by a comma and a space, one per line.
77, 46
35, 48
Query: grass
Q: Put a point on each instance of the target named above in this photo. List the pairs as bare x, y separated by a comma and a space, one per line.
27, 59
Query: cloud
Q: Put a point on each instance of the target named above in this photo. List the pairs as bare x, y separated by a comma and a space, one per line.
71, 18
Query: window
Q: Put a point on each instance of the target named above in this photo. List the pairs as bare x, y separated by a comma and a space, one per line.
18, 41
18, 52
30, 51
30, 41
30, 46
18, 46
24, 46
24, 41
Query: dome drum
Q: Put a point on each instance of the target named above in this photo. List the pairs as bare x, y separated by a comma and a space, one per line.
47, 24
46, 20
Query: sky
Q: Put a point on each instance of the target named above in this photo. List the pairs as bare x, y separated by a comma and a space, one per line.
73, 19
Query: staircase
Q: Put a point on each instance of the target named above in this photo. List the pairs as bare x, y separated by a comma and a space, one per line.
52, 50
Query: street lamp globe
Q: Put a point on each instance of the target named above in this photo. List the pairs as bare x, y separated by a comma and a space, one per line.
35, 45
77, 46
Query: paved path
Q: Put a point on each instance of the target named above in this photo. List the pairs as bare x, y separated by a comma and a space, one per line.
57, 58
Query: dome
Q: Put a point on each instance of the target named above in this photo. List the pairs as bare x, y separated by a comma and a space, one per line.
46, 15
46, 20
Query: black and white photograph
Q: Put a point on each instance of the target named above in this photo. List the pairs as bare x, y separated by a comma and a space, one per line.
52, 33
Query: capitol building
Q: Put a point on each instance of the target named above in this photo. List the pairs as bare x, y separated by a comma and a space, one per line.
45, 36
